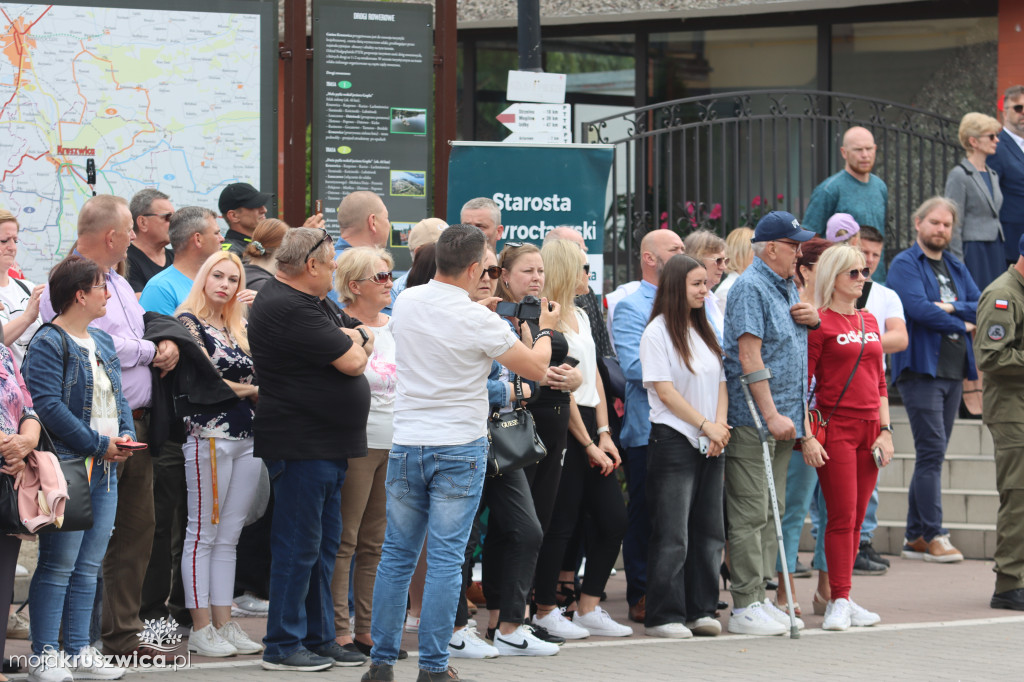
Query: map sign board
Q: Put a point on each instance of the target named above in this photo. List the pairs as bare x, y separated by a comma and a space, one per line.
372, 115
181, 100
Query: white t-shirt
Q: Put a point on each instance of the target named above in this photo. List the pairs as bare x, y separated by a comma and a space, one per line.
884, 303
581, 347
722, 292
714, 310
103, 418
382, 375
444, 344
612, 299
661, 362
14, 299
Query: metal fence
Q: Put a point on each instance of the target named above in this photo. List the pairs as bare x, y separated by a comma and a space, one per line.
721, 161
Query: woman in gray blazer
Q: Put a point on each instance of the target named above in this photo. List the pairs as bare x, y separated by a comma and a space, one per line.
978, 239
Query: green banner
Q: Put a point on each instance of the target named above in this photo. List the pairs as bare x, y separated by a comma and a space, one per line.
537, 188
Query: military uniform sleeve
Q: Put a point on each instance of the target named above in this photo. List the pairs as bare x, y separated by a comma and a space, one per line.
998, 346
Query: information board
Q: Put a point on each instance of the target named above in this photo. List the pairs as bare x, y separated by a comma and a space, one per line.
372, 115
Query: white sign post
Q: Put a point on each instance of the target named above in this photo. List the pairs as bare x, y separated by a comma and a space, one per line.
538, 123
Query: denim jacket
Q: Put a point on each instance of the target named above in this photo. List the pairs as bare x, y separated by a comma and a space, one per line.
64, 401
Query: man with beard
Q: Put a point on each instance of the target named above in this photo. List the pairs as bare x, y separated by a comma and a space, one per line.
854, 190
940, 301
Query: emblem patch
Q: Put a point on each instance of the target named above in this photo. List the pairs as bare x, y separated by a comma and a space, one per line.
1001, 304
996, 332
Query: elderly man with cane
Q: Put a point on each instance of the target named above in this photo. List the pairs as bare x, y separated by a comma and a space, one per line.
766, 359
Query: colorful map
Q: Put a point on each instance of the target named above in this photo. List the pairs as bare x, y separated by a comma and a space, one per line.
158, 98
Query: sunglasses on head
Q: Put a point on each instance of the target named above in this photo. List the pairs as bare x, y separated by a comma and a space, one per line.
492, 271
317, 245
863, 272
377, 278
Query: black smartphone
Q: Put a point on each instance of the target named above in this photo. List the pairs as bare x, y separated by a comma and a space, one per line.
571, 361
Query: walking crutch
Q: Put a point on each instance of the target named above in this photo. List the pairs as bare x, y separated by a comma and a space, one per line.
762, 433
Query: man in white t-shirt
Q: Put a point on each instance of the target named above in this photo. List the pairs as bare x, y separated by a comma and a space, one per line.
444, 345
885, 305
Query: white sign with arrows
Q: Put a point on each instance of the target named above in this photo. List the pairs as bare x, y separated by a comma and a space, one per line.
538, 123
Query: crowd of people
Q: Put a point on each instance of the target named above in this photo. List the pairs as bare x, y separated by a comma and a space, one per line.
314, 434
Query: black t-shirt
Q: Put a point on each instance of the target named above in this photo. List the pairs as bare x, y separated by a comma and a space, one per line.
953, 350
141, 269
307, 408
549, 397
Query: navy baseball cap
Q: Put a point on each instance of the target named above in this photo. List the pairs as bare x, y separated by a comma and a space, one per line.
780, 225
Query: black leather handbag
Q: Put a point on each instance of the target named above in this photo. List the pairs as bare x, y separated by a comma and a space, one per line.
513, 438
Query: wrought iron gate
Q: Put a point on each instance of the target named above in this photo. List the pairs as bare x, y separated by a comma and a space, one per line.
720, 161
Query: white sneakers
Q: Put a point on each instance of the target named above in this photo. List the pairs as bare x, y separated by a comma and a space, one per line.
249, 605
781, 616
669, 631
412, 624
208, 642
556, 623
599, 623
705, 626
466, 643
49, 667
522, 642
90, 664
232, 633
837, 615
860, 617
755, 620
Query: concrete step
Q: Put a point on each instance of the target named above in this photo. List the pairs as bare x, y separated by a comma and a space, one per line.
958, 471
970, 437
974, 540
958, 506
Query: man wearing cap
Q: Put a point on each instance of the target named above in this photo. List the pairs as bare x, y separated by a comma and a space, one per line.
426, 231
999, 350
854, 190
242, 206
1008, 162
765, 327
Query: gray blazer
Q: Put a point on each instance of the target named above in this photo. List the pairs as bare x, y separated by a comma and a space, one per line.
979, 209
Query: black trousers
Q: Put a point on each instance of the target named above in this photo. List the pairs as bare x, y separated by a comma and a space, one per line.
163, 592
582, 488
553, 429
511, 545
684, 498
9, 547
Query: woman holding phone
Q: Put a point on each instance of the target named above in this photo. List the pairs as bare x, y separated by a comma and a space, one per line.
74, 377
844, 357
685, 382
221, 475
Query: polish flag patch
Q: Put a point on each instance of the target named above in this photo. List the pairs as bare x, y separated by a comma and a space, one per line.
1001, 305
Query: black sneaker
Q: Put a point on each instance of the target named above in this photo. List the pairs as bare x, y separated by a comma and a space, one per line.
379, 672
1011, 599
366, 648
342, 657
801, 570
867, 548
544, 635
862, 565
450, 675
302, 661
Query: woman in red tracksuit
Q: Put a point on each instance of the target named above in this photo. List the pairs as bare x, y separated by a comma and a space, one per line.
858, 419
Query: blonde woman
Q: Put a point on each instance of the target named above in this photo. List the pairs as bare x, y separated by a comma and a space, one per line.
363, 283
740, 255
974, 187
221, 474
587, 481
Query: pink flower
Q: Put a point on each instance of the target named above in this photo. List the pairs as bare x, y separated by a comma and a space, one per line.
664, 215
756, 201
690, 208
779, 197
716, 212
693, 222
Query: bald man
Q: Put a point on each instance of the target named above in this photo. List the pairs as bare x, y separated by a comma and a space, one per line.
363, 221
631, 316
854, 190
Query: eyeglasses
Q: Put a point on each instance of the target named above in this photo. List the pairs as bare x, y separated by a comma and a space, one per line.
992, 136
377, 277
161, 216
514, 245
586, 268
492, 271
720, 262
99, 286
317, 245
1019, 108
795, 245
855, 273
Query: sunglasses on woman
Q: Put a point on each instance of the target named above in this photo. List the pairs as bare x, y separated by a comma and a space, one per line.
377, 278
586, 268
864, 272
492, 271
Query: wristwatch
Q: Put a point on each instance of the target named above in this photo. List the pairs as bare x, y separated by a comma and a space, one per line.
362, 333
888, 427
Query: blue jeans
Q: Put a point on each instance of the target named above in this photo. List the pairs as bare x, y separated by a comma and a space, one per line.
801, 480
433, 492
304, 541
638, 532
69, 563
867, 529
932, 405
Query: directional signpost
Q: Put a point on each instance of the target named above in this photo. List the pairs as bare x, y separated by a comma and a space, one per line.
537, 123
